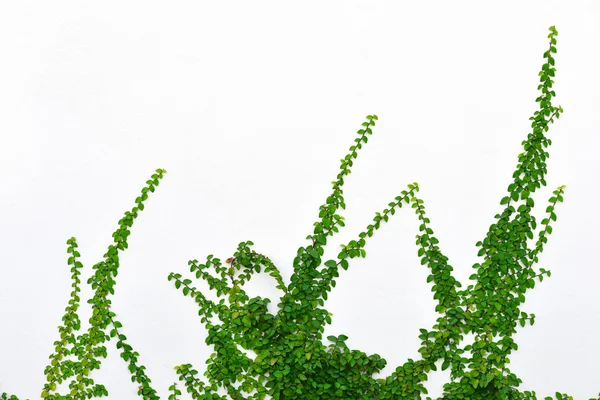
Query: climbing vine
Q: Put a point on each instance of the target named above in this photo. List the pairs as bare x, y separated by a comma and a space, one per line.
259, 355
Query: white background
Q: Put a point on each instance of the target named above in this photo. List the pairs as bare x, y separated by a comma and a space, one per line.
249, 106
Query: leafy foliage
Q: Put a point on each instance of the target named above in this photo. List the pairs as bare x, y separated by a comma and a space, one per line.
259, 355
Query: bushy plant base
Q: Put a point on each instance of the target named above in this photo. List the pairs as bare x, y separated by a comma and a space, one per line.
290, 359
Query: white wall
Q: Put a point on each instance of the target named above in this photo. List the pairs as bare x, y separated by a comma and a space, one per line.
249, 106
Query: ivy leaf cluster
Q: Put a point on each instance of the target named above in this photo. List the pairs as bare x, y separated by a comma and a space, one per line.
76, 355
258, 354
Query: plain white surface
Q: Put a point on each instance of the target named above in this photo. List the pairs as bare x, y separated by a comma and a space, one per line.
249, 106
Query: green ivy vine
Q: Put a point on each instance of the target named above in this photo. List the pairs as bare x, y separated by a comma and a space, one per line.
283, 356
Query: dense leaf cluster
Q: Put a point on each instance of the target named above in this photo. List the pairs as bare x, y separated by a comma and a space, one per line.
284, 356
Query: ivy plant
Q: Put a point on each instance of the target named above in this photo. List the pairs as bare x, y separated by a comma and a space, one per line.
284, 355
